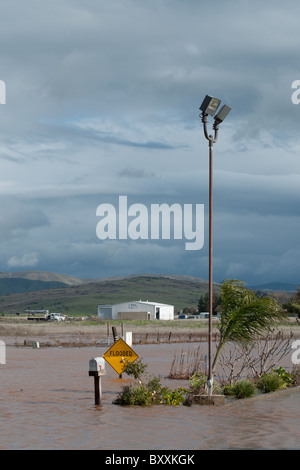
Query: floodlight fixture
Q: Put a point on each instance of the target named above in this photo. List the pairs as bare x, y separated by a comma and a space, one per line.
209, 105
222, 114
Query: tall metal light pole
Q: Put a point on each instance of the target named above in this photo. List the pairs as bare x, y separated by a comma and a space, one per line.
209, 107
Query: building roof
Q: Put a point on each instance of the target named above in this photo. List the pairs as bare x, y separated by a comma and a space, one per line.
140, 302
152, 303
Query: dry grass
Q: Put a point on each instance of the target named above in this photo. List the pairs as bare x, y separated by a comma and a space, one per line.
87, 333
187, 363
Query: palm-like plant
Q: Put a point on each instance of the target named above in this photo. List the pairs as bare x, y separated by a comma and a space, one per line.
244, 316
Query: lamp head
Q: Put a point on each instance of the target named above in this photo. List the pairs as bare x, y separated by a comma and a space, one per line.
222, 114
209, 105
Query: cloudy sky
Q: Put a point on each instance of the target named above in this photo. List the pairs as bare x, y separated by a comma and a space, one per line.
102, 100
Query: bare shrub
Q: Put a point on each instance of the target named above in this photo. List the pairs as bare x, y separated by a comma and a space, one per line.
235, 361
253, 360
266, 353
232, 364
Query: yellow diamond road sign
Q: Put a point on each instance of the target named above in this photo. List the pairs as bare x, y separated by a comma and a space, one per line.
117, 355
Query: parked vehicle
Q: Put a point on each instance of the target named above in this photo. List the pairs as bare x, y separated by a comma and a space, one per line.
48, 317
56, 317
204, 315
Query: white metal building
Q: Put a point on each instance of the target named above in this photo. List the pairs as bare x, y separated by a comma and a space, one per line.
137, 310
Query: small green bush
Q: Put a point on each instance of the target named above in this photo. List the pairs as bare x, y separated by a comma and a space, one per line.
134, 394
270, 382
174, 397
145, 393
242, 389
229, 389
284, 375
136, 368
197, 382
149, 394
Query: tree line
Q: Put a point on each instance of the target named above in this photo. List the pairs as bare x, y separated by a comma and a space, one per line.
292, 306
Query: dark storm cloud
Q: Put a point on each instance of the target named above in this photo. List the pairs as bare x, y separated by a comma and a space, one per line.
102, 100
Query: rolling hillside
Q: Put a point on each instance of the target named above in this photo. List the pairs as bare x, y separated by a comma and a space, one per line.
44, 276
276, 286
61, 293
84, 298
19, 285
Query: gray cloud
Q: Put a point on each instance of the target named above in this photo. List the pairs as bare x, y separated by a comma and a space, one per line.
102, 100
28, 260
135, 173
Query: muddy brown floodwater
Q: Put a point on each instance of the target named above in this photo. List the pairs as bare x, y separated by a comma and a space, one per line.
47, 402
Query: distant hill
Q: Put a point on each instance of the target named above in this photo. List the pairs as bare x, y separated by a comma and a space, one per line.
84, 298
276, 286
19, 285
61, 293
43, 276
74, 281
